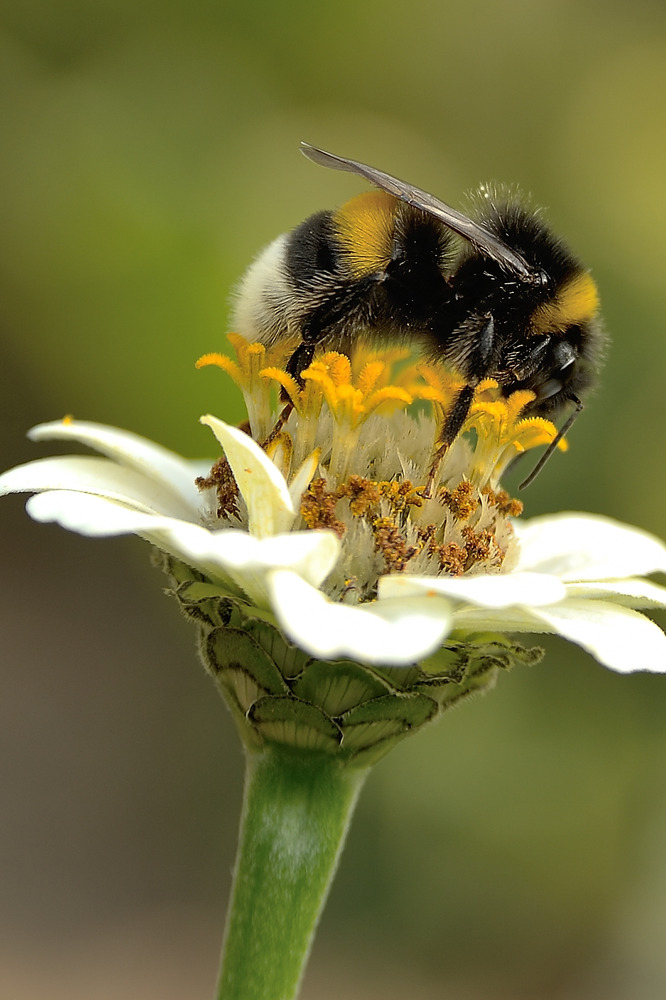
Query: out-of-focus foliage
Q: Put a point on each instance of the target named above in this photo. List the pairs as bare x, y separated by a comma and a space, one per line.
149, 151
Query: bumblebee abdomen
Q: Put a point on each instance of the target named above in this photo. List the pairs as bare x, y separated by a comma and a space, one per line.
261, 301
287, 280
311, 251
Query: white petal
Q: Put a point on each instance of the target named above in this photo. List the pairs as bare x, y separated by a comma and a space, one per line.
303, 477
516, 619
126, 448
617, 637
225, 555
262, 485
102, 517
490, 591
621, 639
631, 593
98, 476
586, 547
310, 554
97, 516
248, 560
389, 632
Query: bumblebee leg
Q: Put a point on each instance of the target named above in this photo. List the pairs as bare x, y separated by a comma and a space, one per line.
334, 315
477, 368
458, 414
450, 431
484, 347
300, 360
280, 422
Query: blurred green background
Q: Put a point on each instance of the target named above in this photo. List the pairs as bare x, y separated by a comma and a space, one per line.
149, 151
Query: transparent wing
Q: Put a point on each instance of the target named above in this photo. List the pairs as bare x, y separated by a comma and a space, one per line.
476, 234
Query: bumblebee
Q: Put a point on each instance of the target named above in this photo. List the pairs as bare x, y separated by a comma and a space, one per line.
496, 295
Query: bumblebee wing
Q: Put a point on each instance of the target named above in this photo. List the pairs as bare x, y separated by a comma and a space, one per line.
471, 231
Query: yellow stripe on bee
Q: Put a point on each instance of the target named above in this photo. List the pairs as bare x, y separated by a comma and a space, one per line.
577, 301
365, 231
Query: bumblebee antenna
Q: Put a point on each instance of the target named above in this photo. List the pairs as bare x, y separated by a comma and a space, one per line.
566, 427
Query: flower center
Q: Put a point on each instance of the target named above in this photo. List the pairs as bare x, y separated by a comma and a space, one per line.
369, 427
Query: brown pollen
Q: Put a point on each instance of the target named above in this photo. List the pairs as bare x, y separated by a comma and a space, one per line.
221, 479
504, 502
391, 544
318, 507
461, 501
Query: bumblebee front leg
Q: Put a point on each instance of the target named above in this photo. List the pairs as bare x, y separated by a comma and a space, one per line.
300, 360
477, 366
452, 426
318, 326
351, 306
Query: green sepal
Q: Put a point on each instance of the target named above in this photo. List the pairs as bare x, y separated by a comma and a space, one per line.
373, 728
340, 689
295, 723
281, 697
466, 653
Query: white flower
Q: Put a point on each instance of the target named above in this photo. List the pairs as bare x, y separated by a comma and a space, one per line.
576, 575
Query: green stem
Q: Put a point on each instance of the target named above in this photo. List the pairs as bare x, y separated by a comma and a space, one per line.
296, 812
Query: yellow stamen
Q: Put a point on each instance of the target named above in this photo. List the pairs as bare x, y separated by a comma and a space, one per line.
374, 382
441, 385
533, 432
502, 434
370, 375
288, 383
350, 404
346, 401
389, 355
251, 360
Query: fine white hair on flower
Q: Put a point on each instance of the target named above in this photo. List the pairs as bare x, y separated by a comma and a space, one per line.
571, 574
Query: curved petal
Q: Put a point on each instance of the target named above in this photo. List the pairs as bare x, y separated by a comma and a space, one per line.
630, 593
128, 449
102, 517
397, 632
516, 619
96, 516
617, 637
585, 547
225, 555
98, 476
264, 489
309, 554
621, 639
303, 477
496, 591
